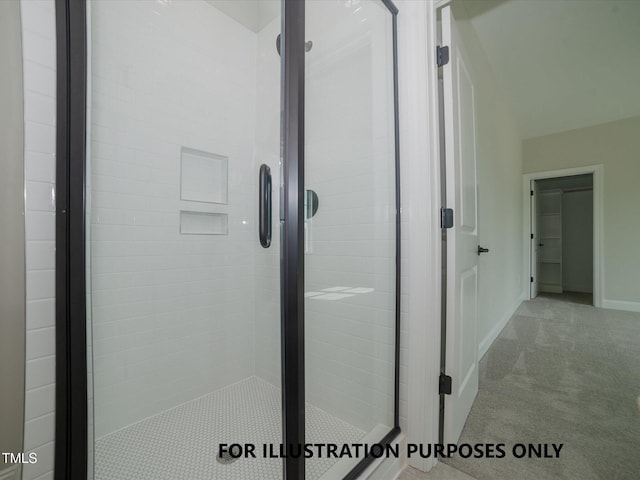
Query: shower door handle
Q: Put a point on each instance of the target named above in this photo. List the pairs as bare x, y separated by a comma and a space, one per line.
264, 206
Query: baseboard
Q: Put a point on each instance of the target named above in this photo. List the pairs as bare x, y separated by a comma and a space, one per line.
621, 305
487, 341
577, 288
10, 473
546, 288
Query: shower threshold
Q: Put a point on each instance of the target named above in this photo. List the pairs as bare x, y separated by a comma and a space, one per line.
183, 442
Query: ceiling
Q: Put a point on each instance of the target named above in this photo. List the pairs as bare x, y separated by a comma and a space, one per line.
562, 64
253, 14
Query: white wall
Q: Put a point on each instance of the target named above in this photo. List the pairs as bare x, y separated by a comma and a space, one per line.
38, 24
12, 242
173, 315
499, 157
577, 241
614, 145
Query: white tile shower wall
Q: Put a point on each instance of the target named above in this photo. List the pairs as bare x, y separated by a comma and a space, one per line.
173, 315
350, 265
267, 331
39, 56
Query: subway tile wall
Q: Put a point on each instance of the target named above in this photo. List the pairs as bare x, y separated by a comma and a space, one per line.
173, 315
39, 65
350, 258
155, 292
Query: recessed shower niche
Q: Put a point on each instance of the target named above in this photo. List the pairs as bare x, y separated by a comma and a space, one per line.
203, 176
203, 223
203, 186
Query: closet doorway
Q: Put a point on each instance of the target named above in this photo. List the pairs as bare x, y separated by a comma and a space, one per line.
563, 235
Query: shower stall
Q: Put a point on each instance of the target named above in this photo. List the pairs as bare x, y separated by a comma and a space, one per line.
228, 237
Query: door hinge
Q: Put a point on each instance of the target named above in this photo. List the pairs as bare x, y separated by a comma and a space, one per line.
446, 217
532, 193
532, 236
445, 384
442, 56
531, 280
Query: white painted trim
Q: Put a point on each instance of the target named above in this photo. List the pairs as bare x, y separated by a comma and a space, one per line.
10, 473
598, 225
488, 340
621, 305
419, 146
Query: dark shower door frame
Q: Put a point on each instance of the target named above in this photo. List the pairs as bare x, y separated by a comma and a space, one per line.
71, 448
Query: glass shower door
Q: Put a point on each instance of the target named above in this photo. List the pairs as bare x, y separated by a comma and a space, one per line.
351, 228
193, 341
184, 324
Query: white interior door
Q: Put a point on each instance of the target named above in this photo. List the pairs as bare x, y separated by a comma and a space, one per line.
462, 239
535, 239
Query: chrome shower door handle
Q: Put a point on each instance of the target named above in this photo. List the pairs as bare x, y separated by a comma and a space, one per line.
264, 206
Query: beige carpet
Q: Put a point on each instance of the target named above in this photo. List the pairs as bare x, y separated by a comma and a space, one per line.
561, 372
439, 472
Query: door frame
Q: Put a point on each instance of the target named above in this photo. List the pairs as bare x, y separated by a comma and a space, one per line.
419, 117
71, 429
598, 240
534, 263
292, 344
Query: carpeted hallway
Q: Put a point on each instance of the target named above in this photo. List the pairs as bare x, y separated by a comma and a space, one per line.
562, 372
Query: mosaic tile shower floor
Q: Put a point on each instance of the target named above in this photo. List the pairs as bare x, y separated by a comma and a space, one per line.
181, 443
